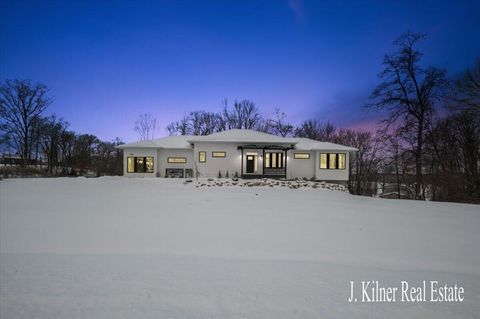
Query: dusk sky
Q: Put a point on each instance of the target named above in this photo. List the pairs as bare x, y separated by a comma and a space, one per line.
107, 61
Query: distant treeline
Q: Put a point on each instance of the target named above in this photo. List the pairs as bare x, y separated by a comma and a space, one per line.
426, 147
46, 140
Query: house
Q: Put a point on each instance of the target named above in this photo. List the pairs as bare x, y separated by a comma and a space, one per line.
245, 153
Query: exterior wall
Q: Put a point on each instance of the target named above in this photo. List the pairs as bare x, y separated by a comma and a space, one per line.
296, 168
331, 174
231, 163
163, 154
300, 168
138, 152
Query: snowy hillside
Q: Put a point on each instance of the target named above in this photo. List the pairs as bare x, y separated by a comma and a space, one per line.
155, 248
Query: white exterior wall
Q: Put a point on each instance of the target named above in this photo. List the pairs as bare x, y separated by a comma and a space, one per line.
300, 168
331, 174
163, 154
140, 152
296, 168
231, 163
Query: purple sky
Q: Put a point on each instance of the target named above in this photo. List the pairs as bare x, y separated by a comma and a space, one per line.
107, 61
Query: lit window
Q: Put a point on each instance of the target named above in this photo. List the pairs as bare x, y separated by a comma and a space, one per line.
267, 160
219, 154
177, 160
332, 161
274, 160
341, 161
140, 164
323, 160
301, 155
202, 157
149, 164
130, 164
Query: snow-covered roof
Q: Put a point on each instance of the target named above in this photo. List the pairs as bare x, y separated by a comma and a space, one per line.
237, 136
243, 136
176, 142
306, 144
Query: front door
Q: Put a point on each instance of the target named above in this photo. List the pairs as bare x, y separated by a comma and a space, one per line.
250, 164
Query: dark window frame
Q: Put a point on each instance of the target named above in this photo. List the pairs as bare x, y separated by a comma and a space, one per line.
205, 156
177, 157
337, 161
144, 166
279, 159
218, 156
301, 158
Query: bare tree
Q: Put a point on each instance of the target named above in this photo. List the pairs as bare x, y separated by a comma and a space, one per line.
365, 163
146, 126
243, 115
409, 92
179, 127
279, 125
197, 123
21, 104
325, 132
466, 89
52, 129
308, 129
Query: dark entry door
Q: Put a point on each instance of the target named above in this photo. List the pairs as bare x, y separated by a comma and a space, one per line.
250, 164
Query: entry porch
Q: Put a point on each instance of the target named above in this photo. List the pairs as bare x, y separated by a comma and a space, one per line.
264, 161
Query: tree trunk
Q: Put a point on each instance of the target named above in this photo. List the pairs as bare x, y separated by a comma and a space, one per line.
418, 160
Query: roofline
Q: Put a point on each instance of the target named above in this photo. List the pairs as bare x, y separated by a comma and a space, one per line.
242, 141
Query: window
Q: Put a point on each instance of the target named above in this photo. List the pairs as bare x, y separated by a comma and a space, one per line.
301, 155
332, 161
219, 154
341, 161
130, 164
274, 160
177, 160
202, 156
323, 160
174, 172
140, 164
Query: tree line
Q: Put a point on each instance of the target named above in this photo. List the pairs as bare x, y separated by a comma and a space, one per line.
427, 145
45, 140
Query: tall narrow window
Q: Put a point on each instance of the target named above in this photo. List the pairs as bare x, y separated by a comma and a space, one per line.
274, 159
130, 164
149, 164
323, 160
332, 161
267, 160
341, 161
140, 163
202, 156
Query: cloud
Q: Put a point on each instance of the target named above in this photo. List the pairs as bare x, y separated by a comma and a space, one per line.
297, 8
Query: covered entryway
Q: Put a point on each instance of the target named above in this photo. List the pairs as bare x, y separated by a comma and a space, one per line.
272, 159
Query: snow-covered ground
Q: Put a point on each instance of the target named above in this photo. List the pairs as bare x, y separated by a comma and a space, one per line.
156, 248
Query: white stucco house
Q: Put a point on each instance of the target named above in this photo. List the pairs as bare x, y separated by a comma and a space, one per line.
245, 153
